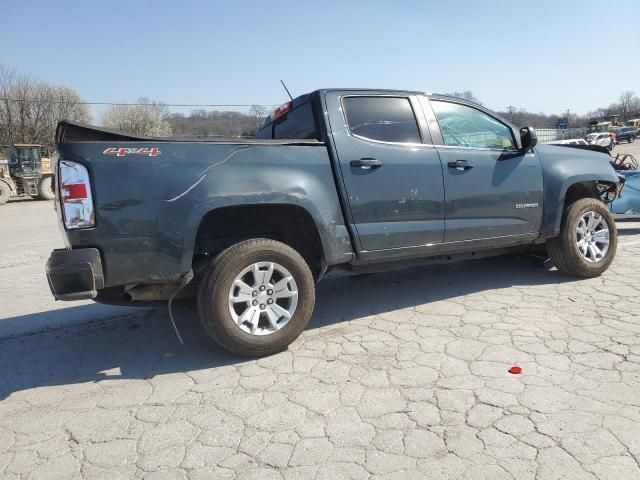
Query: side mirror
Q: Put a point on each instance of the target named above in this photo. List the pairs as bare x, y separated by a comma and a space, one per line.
528, 138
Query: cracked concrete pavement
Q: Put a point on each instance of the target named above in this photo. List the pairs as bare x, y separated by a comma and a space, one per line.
399, 375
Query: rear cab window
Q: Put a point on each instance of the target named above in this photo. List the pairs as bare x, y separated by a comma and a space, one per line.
381, 118
299, 123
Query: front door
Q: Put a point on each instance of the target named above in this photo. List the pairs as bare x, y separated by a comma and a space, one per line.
492, 189
392, 180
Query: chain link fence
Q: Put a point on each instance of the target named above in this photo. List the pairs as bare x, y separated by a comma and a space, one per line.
550, 135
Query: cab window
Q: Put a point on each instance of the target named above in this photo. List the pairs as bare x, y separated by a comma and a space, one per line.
464, 126
385, 119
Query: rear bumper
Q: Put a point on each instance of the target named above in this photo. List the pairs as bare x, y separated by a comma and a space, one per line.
75, 274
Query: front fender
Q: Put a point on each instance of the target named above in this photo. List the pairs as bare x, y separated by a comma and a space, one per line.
562, 168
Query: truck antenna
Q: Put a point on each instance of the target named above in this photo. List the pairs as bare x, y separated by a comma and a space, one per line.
287, 90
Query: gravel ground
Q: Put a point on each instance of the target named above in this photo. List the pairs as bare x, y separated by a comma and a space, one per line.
625, 147
401, 375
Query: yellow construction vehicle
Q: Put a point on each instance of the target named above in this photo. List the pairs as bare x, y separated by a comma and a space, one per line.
25, 172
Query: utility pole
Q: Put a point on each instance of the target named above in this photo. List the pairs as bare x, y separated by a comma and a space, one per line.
511, 109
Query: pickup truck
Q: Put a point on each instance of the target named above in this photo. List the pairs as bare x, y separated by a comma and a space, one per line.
349, 179
625, 133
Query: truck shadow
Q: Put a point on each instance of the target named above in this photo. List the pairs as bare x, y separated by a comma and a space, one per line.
143, 345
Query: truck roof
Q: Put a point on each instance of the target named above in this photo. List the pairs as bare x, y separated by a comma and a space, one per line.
303, 99
380, 90
391, 91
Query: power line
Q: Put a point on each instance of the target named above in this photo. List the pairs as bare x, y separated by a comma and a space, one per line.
18, 100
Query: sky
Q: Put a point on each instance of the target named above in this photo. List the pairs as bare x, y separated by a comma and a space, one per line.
541, 55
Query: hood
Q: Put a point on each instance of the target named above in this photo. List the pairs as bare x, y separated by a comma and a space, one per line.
575, 164
587, 152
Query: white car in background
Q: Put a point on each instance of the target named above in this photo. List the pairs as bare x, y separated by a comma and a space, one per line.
601, 139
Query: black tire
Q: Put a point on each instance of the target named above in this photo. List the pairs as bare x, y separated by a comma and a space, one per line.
632, 139
563, 249
45, 188
5, 192
213, 295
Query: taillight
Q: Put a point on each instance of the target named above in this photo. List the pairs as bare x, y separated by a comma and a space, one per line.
75, 196
74, 191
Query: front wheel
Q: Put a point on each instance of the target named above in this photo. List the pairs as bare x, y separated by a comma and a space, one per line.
588, 239
256, 297
632, 139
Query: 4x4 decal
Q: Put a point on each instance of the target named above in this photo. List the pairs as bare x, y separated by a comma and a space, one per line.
121, 152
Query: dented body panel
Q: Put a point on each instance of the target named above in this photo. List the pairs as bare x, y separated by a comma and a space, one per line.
148, 209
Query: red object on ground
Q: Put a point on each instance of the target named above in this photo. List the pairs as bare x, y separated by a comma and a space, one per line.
516, 370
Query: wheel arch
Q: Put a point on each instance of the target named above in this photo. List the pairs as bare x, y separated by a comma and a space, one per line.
292, 224
574, 188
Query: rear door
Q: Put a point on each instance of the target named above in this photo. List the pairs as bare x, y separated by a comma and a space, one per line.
392, 177
493, 190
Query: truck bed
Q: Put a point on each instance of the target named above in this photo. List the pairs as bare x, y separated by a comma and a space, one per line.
69, 131
151, 200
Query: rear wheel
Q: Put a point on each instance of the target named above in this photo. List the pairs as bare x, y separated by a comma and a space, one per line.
588, 239
45, 188
256, 297
5, 192
632, 139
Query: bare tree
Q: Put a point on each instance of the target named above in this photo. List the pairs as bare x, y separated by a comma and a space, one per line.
628, 101
634, 108
466, 95
257, 113
30, 109
146, 117
202, 123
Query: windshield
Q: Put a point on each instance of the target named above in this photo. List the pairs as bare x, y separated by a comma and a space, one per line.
23, 155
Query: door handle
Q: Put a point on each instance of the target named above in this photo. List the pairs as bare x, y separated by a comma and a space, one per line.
460, 165
366, 163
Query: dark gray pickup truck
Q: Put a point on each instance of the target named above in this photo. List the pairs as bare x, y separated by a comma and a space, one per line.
359, 180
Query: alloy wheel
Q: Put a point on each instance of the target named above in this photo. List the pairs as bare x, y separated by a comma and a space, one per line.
592, 237
263, 298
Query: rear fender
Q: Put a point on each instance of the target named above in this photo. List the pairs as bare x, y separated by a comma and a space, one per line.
334, 238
